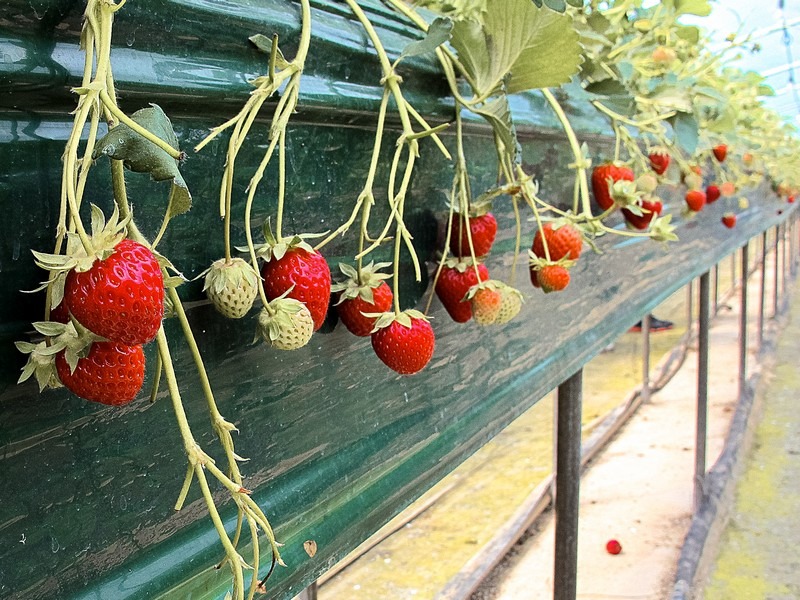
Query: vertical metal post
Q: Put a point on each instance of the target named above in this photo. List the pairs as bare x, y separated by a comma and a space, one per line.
689, 311
702, 391
716, 288
762, 291
646, 357
785, 253
775, 277
743, 322
568, 477
310, 593
733, 270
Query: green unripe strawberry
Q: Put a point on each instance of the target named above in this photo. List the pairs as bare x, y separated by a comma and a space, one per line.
232, 287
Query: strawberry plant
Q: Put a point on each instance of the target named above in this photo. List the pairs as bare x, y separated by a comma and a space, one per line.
672, 106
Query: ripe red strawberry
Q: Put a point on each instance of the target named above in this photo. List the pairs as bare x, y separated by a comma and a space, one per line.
553, 278
712, 194
603, 177
306, 273
729, 220
351, 309
720, 152
454, 283
695, 200
120, 298
613, 547
111, 373
482, 228
563, 241
790, 199
406, 344
362, 292
650, 208
535, 278
659, 161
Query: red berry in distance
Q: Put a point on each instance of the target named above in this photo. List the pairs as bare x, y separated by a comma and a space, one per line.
563, 242
453, 285
405, 350
659, 162
651, 209
720, 152
603, 177
111, 373
712, 194
120, 298
613, 547
482, 229
308, 276
695, 200
351, 310
729, 220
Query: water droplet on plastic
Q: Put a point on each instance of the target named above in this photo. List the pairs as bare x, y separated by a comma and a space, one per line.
54, 545
130, 39
123, 503
405, 396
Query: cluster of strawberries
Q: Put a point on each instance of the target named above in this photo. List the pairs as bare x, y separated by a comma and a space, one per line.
106, 304
614, 185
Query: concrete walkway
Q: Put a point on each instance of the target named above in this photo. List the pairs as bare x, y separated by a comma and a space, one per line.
759, 556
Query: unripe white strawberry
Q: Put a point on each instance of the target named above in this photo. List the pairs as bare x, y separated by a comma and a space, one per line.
287, 324
232, 287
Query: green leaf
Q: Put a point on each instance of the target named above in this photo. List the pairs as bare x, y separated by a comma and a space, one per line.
498, 113
575, 3
264, 44
700, 8
557, 5
142, 156
686, 131
689, 33
521, 45
439, 32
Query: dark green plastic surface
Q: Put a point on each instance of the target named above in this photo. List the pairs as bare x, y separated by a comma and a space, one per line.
338, 444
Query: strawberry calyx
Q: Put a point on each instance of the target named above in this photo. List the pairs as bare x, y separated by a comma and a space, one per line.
625, 193
460, 264
404, 318
355, 286
275, 248
222, 275
661, 229
104, 238
285, 323
70, 337
538, 263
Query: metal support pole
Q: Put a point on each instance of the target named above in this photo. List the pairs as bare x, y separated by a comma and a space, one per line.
785, 254
716, 288
775, 277
646, 358
702, 391
568, 477
762, 291
689, 303
743, 322
310, 593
